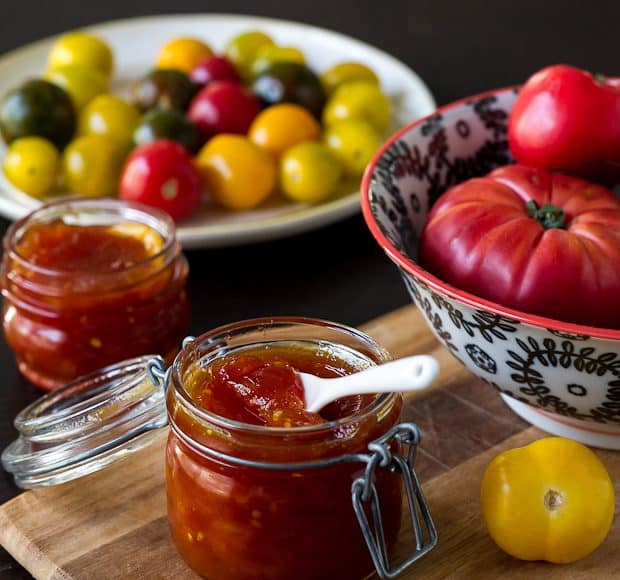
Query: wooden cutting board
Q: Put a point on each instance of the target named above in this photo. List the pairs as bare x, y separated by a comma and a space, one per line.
113, 524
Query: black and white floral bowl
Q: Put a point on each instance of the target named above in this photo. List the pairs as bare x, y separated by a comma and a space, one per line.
561, 377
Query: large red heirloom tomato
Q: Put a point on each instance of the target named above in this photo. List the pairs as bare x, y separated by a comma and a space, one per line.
539, 242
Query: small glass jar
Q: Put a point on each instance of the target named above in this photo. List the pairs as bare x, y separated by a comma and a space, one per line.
64, 323
238, 506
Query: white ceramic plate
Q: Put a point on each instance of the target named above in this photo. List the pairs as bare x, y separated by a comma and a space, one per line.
135, 43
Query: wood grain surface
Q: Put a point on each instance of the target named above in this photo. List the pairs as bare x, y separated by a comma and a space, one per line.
113, 524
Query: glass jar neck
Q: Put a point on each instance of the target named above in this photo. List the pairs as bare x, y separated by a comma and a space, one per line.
199, 429
23, 280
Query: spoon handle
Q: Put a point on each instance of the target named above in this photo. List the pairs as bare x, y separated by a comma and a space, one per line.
406, 374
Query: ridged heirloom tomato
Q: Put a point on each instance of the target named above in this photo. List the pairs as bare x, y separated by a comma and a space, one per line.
543, 243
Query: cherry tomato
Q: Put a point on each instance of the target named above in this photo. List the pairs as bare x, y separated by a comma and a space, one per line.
82, 83
309, 172
38, 108
214, 68
182, 54
111, 116
353, 142
279, 127
242, 49
161, 174
223, 107
236, 172
82, 49
92, 164
290, 82
167, 124
346, 72
271, 53
164, 89
31, 164
359, 99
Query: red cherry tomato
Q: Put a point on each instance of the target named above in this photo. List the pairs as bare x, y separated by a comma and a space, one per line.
161, 174
567, 119
223, 107
214, 68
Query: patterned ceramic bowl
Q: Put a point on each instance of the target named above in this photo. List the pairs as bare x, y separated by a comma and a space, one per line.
561, 377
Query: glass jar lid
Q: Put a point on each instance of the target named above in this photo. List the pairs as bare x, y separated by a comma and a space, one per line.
88, 424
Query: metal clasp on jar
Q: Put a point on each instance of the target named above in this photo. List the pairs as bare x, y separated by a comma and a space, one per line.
363, 491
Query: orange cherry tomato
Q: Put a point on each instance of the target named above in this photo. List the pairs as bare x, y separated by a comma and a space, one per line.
280, 127
183, 54
237, 173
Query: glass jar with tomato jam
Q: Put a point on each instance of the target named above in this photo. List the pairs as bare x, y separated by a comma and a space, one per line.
89, 282
258, 488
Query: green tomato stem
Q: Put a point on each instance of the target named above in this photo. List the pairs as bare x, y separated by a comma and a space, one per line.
549, 216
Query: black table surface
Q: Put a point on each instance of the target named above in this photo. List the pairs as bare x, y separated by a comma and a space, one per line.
337, 272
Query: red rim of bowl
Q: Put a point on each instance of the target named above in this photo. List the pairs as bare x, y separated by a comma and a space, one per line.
435, 283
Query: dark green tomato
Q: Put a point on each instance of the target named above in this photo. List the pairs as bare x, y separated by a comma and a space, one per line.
38, 108
167, 124
164, 89
290, 82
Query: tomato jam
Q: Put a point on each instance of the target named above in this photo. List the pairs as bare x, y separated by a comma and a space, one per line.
262, 387
88, 283
236, 508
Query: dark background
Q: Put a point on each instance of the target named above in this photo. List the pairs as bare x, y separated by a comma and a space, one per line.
458, 47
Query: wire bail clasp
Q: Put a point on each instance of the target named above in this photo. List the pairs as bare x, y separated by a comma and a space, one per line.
364, 491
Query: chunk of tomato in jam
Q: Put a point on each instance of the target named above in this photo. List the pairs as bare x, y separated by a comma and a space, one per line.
264, 388
257, 391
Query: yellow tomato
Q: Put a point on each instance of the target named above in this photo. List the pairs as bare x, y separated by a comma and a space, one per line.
309, 172
236, 172
279, 127
271, 53
82, 83
353, 142
243, 48
92, 165
551, 500
111, 116
358, 100
183, 54
81, 49
31, 164
346, 72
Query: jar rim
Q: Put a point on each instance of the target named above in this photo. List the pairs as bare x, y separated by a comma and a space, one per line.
184, 398
152, 217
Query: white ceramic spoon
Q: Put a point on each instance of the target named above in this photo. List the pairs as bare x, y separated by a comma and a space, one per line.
411, 373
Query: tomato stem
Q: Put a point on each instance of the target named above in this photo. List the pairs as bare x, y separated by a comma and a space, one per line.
553, 500
549, 215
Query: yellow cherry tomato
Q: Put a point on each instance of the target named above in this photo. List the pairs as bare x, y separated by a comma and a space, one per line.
243, 48
236, 172
81, 49
92, 165
82, 83
31, 164
358, 100
551, 500
269, 54
346, 72
182, 54
309, 172
111, 116
354, 142
279, 127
